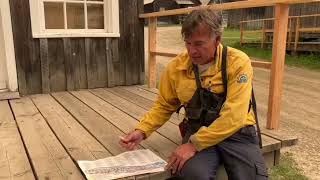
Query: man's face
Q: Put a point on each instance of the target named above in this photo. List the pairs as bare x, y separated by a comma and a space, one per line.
201, 45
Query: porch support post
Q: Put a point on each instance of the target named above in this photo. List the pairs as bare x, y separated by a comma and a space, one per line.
277, 67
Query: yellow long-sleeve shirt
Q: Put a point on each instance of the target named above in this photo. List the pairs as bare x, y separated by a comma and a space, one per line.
178, 84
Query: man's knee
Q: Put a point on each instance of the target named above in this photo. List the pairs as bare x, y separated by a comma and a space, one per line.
197, 172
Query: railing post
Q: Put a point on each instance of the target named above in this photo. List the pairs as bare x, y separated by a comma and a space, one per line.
263, 33
152, 45
296, 37
241, 33
289, 34
277, 67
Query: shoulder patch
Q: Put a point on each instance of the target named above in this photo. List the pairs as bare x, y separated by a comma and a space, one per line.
243, 78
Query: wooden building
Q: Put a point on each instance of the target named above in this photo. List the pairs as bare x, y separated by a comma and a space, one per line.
49, 46
235, 16
162, 5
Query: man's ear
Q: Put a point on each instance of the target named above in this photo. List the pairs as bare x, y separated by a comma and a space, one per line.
217, 40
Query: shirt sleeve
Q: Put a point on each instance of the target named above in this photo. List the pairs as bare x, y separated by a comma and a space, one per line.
166, 103
234, 112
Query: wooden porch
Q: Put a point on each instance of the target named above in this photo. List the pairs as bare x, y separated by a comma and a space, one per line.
42, 136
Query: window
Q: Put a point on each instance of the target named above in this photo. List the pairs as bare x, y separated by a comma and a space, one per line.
74, 18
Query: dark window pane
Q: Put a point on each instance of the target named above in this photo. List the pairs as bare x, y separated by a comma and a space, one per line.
53, 13
95, 16
75, 16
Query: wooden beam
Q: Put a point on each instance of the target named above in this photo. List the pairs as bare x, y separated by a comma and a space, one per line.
263, 40
278, 59
241, 34
172, 53
226, 6
296, 37
152, 44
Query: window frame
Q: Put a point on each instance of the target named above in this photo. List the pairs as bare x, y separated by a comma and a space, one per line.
111, 20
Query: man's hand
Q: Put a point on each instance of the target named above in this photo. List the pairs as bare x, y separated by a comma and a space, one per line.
180, 156
132, 140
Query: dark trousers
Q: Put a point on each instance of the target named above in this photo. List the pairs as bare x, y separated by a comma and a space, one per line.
240, 154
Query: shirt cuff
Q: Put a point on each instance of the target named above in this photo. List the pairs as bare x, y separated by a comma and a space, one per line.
146, 131
196, 143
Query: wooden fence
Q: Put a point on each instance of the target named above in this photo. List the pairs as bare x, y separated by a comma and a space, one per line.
294, 31
278, 49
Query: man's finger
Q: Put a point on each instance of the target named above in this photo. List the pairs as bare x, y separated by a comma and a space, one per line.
175, 166
172, 160
181, 164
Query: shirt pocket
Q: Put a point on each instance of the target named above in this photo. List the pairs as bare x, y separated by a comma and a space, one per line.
185, 91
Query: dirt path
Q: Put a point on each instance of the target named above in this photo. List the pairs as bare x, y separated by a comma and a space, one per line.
300, 113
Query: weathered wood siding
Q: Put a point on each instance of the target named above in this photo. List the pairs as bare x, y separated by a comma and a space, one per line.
59, 64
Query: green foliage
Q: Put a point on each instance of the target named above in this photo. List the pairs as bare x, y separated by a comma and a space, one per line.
286, 170
231, 38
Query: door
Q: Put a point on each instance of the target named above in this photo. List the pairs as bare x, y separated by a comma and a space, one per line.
8, 72
3, 64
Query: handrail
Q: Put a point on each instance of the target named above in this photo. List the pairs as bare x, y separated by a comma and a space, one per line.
297, 29
225, 6
290, 17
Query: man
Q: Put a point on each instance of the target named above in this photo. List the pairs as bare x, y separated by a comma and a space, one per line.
230, 138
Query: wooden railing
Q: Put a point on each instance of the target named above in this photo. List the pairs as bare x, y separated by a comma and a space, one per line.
278, 49
292, 31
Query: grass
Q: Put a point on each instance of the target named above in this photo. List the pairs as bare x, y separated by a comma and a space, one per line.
308, 61
286, 170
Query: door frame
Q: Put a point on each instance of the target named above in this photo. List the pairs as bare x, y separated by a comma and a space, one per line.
9, 54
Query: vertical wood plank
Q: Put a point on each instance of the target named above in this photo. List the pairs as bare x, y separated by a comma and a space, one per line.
263, 33
90, 78
78, 59
20, 17
69, 64
140, 39
296, 37
34, 73
110, 68
278, 58
45, 81
123, 45
241, 33
116, 62
96, 62
289, 34
131, 61
57, 65
152, 44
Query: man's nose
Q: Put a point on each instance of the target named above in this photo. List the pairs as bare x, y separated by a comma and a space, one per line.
192, 50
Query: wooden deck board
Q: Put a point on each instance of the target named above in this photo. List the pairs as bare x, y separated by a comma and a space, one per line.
67, 129
14, 163
56, 130
48, 157
168, 130
140, 100
105, 132
156, 142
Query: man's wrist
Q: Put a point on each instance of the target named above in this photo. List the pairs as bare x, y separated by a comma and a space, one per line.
192, 145
144, 136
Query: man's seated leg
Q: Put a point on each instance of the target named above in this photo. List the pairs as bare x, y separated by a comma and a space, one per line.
242, 157
202, 166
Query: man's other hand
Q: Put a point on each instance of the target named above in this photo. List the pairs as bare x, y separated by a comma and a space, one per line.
132, 140
180, 156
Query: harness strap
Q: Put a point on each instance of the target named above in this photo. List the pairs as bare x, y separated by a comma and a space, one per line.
254, 106
224, 71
